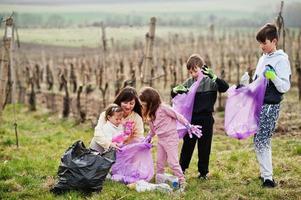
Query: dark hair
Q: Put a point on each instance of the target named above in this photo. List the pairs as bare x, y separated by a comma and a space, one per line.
152, 99
195, 60
128, 94
268, 31
111, 109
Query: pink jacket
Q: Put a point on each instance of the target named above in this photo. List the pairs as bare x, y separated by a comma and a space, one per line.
165, 123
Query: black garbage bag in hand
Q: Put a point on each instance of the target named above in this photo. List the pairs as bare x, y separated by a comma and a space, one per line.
83, 169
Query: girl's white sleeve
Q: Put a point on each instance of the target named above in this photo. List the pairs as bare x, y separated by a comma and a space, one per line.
100, 124
102, 141
99, 136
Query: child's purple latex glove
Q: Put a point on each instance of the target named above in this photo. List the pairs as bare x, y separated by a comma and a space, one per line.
147, 139
194, 129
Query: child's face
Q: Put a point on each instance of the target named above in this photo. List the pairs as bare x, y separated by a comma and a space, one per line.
193, 72
268, 46
116, 118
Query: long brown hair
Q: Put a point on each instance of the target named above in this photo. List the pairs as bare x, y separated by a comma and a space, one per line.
152, 99
128, 94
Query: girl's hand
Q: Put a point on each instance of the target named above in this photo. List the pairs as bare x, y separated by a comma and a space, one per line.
115, 145
148, 139
134, 130
194, 129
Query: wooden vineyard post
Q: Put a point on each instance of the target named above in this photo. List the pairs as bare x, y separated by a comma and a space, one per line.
20, 85
164, 66
104, 92
103, 67
298, 70
223, 75
32, 95
37, 76
104, 46
118, 82
119, 77
280, 26
50, 101
147, 67
237, 63
49, 77
72, 78
6, 61
132, 81
81, 113
229, 69
66, 101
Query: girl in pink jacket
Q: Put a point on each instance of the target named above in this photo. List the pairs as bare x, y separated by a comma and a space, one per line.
162, 120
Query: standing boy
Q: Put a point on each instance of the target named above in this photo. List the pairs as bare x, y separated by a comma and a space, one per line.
275, 66
203, 107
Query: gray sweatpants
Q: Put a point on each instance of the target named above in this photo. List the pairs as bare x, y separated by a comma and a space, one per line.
262, 139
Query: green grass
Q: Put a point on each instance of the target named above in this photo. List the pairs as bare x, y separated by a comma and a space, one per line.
91, 36
28, 172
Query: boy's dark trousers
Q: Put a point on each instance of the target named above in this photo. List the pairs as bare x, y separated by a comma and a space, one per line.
204, 144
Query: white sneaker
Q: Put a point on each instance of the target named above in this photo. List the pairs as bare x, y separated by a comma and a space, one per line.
109, 176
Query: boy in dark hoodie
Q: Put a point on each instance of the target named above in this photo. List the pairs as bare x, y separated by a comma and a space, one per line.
203, 108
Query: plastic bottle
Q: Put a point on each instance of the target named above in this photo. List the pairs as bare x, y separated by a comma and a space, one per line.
171, 180
163, 187
143, 186
244, 80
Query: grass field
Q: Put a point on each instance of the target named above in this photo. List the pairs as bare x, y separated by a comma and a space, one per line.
28, 172
91, 36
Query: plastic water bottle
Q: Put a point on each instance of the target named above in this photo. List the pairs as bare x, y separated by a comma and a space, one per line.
163, 187
143, 186
171, 180
245, 79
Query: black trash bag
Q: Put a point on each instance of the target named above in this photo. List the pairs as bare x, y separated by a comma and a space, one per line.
83, 169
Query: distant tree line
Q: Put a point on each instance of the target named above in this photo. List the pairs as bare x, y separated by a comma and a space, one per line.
292, 16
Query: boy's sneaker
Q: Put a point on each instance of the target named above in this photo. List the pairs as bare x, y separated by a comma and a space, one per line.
203, 177
109, 176
269, 183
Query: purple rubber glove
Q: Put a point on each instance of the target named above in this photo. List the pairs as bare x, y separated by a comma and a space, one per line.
147, 139
194, 129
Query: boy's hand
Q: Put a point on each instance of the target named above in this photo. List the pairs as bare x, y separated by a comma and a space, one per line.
180, 89
209, 72
269, 72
